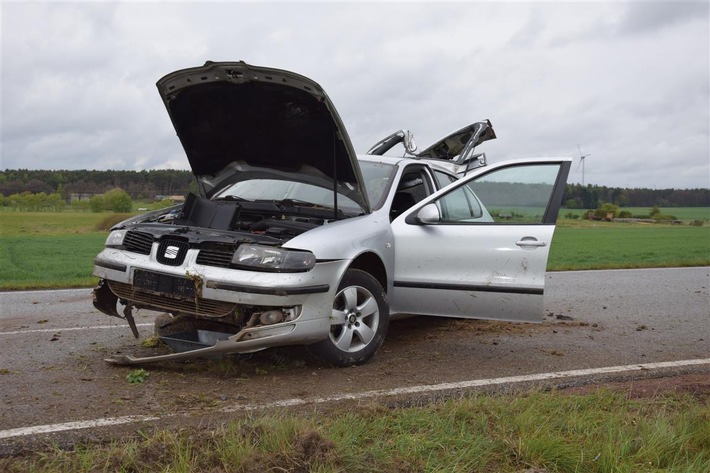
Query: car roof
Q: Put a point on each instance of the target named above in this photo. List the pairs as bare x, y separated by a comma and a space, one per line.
404, 160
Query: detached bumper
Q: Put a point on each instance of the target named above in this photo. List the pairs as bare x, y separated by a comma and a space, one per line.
246, 341
220, 292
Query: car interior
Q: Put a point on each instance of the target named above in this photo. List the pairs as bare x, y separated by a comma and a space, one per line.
413, 187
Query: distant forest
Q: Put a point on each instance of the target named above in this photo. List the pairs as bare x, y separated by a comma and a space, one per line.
146, 185
140, 185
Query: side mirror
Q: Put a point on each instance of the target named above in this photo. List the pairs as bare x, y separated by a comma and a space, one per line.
429, 214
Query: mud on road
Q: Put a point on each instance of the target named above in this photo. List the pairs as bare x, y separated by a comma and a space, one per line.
204, 394
52, 368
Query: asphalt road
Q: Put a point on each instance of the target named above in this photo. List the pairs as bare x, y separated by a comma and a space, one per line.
53, 344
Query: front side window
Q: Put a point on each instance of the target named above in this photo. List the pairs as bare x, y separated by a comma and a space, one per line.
461, 206
517, 194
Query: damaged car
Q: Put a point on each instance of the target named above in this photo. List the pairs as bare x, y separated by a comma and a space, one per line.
293, 239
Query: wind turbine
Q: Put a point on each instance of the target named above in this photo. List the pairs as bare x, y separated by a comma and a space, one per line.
581, 161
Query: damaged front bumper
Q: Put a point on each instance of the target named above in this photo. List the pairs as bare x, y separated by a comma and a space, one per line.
246, 341
242, 295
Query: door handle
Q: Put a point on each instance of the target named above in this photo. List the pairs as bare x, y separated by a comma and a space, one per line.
530, 242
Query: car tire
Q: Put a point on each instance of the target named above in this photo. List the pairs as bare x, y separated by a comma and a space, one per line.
166, 325
359, 321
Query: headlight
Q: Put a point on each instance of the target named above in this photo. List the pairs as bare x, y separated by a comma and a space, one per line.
268, 258
115, 238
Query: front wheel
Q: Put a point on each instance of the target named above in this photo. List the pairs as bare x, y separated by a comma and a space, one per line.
358, 322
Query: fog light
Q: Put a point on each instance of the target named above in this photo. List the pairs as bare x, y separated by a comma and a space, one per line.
271, 317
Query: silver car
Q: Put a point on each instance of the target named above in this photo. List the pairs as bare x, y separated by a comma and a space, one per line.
295, 240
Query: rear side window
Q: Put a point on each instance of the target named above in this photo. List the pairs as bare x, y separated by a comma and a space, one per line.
443, 179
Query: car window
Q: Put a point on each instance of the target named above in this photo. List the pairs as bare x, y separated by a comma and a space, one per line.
275, 189
461, 205
443, 179
378, 179
516, 194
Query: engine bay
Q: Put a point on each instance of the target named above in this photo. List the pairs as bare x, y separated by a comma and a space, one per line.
264, 222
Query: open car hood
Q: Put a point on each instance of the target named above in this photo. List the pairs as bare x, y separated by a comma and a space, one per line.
459, 145
270, 119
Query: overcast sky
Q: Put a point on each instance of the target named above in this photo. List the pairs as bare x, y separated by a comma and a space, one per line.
627, 82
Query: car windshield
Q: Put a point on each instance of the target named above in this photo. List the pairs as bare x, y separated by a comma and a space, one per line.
378, 178
298, 193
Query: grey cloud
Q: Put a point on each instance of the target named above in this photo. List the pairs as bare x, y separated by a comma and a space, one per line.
79, 79
643, 17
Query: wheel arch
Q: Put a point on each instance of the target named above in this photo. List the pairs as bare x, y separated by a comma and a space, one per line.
371, 263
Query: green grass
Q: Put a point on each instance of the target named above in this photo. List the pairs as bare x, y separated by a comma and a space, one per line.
49, 249
49, 261
553, 432
54, 250
23, 224
681, 213
579, 245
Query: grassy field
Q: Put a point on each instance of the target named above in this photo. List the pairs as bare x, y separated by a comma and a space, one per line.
54, 250
581, 244
541, 432
49, 249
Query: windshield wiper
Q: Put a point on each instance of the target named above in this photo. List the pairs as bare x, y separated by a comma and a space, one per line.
232, 197
298, 203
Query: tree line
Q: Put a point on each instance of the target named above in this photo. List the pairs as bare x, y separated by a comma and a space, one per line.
146, 185
115, 200
139, 185
592, 197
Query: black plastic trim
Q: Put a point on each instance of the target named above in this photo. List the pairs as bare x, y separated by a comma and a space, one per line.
467, 287
109, 265
274, 291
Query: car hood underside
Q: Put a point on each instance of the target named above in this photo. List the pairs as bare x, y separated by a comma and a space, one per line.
233, 112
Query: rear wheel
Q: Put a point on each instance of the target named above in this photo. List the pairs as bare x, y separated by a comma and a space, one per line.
358, 322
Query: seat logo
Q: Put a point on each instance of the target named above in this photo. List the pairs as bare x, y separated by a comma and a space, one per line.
171, 252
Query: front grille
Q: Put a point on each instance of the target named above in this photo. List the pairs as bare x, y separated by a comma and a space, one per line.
215, 257
205, 307
138, 242
172, 252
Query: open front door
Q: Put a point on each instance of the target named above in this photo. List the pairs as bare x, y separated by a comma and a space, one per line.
478, 248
